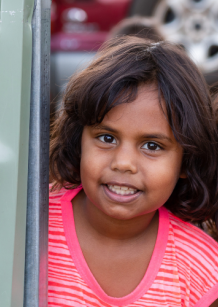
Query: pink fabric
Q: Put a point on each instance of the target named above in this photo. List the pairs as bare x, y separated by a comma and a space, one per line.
183, 270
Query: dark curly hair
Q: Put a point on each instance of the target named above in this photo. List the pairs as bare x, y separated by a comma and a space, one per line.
120, 66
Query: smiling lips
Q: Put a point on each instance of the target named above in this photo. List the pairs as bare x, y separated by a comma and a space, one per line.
121, 193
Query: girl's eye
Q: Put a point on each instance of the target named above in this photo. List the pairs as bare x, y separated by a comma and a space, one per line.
107, 138
151, 146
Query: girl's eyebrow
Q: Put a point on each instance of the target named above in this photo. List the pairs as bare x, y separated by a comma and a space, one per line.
103, 127
157, 136
144, 136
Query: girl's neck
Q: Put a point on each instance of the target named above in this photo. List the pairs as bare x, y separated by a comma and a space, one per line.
110, 228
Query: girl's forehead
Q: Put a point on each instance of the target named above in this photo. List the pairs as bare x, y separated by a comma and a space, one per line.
143, 115
147, 103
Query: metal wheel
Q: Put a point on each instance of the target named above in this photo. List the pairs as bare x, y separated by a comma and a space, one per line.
192, 24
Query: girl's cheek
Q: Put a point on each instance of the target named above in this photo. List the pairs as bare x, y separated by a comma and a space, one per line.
92, 163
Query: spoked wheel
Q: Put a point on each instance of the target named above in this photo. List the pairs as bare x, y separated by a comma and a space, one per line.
192, 24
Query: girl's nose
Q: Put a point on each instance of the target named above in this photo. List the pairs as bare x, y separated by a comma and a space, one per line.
124, 160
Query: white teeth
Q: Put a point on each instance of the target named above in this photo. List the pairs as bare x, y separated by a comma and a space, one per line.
124, 188
121, 190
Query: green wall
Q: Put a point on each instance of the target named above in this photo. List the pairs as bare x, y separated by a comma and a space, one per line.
15, 81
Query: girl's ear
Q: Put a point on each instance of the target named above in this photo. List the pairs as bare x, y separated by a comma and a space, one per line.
183, 175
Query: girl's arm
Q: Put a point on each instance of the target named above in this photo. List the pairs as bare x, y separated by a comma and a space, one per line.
215, 304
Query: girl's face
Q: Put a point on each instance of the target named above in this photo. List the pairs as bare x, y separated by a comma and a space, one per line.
131, 162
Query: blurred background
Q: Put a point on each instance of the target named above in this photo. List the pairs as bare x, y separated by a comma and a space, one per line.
79, 27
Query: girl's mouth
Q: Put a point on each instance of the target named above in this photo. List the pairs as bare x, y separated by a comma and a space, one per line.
121, 194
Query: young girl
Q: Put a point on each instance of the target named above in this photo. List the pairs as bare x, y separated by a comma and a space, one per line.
134, 162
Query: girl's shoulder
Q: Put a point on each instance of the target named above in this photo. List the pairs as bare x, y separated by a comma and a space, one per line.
191, 235
196, 256
64, 194
56, 195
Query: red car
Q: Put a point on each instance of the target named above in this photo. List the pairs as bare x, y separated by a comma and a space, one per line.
79, 27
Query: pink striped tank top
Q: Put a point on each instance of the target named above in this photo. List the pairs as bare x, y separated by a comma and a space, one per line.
183, 270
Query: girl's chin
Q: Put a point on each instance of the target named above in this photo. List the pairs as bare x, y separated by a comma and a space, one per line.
120, 198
